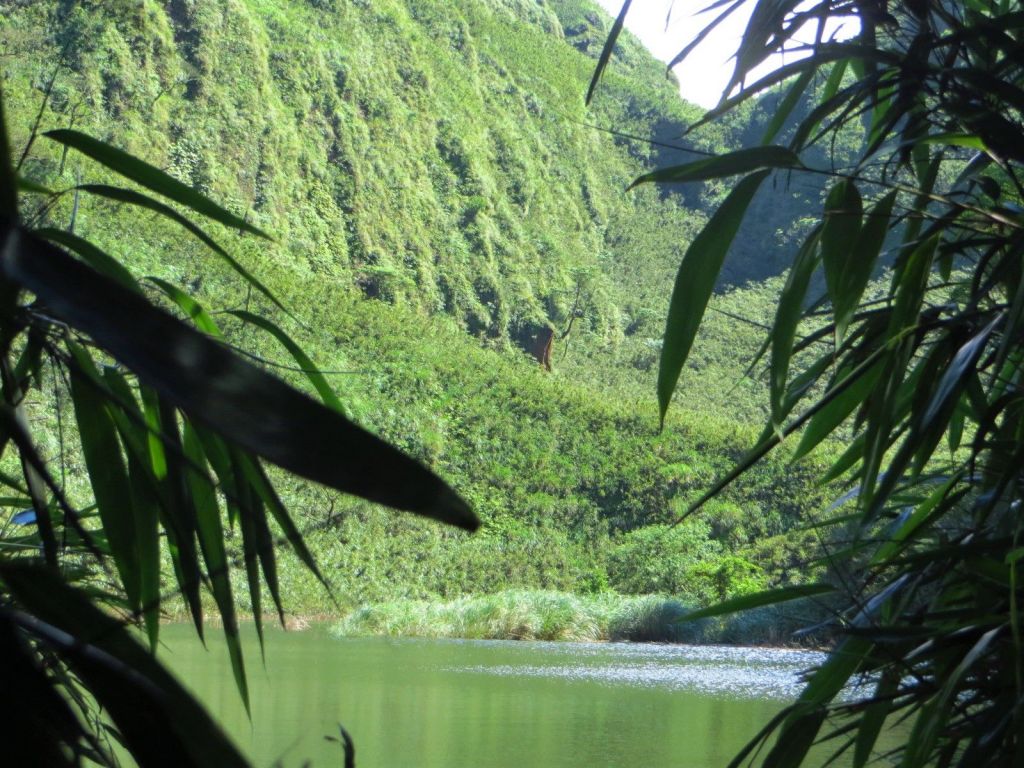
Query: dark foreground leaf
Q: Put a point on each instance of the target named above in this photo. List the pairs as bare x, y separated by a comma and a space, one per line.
609, 46
768, 597
219, 389
159, 721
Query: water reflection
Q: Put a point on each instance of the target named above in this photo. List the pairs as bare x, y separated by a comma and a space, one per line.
753, 673
422, 703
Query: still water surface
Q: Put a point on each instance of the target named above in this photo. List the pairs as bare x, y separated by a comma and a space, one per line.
426, 703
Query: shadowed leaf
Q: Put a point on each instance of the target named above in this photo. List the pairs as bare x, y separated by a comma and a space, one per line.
228, 394
609, 46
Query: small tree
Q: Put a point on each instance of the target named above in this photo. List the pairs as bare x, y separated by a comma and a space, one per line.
923, 386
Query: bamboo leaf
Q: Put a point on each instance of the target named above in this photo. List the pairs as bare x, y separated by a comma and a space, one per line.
159, 720
91, 255
211, 541
150, 177
787, 318
785, 109
839, 234
857, 270
145, 498
217, 388
874, 718
768, 597
609, 46
795, 739
828, 419
195, 311
179, 514
134, 198
695, 281
261, 485
723, 166
8, 181
309, 369
107, 473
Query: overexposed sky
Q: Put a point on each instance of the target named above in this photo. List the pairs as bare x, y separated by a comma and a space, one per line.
706, 71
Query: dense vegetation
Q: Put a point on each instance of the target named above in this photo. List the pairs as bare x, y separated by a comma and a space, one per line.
473, 203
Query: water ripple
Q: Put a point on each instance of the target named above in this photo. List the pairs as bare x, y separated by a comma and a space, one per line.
756, 673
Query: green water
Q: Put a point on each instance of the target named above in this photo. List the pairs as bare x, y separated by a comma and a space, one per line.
427, 703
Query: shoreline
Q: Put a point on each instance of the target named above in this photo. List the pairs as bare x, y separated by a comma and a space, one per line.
539, 615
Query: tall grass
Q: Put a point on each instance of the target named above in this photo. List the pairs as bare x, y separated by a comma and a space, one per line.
547, 615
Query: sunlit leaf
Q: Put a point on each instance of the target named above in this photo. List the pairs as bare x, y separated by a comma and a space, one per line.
150, 177
695, 281
309, 369
134, 198
723, 166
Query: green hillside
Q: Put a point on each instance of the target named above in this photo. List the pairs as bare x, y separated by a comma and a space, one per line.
437, 198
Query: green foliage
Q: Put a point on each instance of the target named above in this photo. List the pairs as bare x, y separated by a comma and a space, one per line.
922, 381
172, 410
547, 615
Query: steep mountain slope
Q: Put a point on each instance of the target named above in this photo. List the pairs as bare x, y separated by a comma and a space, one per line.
434, 156
428, 153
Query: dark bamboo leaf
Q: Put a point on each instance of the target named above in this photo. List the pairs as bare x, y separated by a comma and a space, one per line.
787, 317
8, 181
91, 255
933, 718
179, 513
836, 412
609, 46
856, 271
316, 378
829, 679
33, 187
695, 281
785, 109
42, 723
150, 177
145, 498
841, 229
211, 542
261, 485
795, 739
108, 476
874, 718
768, 597
918, 520
723, 166
160, 721
228, 394
706, 30
191, 307
134, 198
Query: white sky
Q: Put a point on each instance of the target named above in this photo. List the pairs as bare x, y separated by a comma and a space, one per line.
706, 71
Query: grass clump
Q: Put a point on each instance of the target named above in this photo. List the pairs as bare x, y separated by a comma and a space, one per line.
528, 615
551, 615
509, 615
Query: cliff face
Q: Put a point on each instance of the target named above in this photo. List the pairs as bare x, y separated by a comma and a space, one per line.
428, 153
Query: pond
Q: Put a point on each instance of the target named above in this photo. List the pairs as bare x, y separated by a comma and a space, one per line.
489, 704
